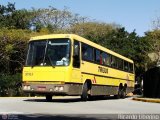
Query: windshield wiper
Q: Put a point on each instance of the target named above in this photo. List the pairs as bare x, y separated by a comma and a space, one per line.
45, 52
51, 61
47, 55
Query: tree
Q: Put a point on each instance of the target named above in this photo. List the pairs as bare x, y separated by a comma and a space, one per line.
131, 46
94, 31
54, 19
13, 44
5, 14
154, 37
156, 23
21, 19
17, 19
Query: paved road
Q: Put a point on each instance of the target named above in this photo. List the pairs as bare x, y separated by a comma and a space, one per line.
70, 107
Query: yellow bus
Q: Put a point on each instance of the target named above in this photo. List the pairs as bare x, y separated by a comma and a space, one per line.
67, 64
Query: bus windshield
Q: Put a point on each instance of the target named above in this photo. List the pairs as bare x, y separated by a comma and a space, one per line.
52, 52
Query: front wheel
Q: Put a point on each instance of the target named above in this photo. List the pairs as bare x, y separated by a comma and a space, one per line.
84, 95
49, 98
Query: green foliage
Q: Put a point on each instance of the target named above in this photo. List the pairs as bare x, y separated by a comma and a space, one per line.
10, 85
154, 37
94, 31
21, 19
13, 45
17, 19
5, 14
131, 46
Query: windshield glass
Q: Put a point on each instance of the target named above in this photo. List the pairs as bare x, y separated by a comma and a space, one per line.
52, 52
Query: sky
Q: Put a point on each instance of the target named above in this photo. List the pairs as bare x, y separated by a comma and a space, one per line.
132, 14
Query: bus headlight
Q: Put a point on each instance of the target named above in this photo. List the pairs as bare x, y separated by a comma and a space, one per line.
27, 87
58, 88
61, 88
50, 89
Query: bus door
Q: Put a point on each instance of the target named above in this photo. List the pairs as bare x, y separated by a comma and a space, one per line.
76, 72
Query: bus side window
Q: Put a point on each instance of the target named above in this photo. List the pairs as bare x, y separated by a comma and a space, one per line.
131, 67
126, 68
101, 60
76, 55
97, 55
87, 52
108, 60
120, 63
113, 62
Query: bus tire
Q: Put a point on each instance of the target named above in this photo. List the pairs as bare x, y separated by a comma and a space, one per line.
120, 90
123, 92
118, 96
84, 95
49, 98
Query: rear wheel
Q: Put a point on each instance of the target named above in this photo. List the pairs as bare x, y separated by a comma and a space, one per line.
118, 95
49, 98
121, 92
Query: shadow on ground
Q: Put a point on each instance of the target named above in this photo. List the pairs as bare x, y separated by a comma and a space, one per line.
62, 117
67, 100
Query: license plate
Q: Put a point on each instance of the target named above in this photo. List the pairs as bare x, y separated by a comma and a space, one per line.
41, 88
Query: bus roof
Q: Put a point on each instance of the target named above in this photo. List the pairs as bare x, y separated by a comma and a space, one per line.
81, 39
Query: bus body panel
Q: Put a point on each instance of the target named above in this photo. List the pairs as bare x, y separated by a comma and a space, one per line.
107, 76
68, 80
46, 74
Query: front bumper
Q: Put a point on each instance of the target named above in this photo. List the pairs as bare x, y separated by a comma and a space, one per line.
53, 89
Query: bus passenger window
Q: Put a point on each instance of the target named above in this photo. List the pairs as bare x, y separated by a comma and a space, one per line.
105, 59
130, 67
87, 52
97, 56
101, 58
113, 62
126, 66
108, 60
120, 63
